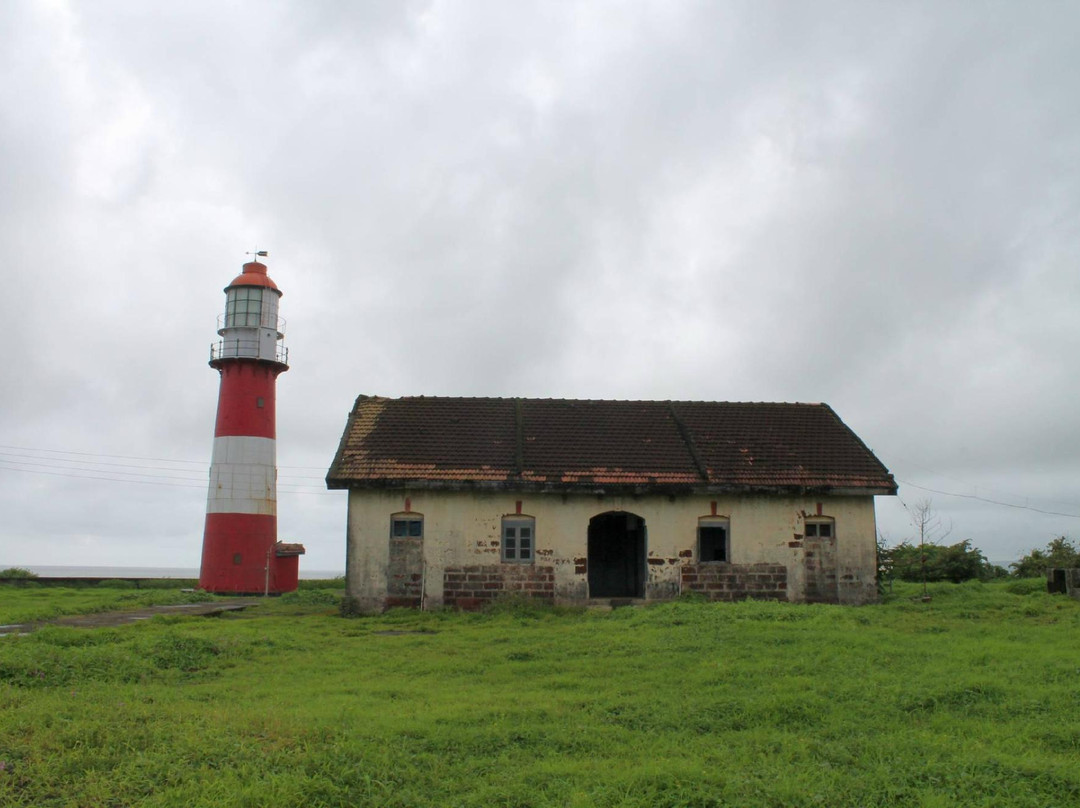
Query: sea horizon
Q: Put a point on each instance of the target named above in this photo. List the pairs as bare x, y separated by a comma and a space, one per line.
63, 571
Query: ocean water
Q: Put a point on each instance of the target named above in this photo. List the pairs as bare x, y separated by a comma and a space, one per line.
50, 571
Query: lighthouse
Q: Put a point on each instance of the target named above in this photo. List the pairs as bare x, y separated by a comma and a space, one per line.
241, 553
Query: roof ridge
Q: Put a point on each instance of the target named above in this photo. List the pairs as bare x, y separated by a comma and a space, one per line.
657, 401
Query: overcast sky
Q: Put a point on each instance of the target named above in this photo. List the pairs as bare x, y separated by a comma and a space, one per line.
874, 205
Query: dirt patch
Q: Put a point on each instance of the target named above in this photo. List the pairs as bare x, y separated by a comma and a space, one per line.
110, 619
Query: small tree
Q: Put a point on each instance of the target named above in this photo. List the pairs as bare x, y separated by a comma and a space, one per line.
930, 529
1061, 552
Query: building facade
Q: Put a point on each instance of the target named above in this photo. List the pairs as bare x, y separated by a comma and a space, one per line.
455, 502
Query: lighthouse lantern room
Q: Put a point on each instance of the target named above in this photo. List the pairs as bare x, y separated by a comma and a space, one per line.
241, 553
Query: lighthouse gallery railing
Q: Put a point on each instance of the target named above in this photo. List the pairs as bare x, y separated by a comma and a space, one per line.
235, 348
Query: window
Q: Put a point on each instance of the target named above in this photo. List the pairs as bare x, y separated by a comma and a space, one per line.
243, 306
712, 534
819, 529
250, 307
518, 539
407, 527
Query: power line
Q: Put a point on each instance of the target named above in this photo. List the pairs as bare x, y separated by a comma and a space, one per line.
104, 479
95, 454
26, 458
988, 500
202, 484
295, 488
132, 457
60, 465
906, 462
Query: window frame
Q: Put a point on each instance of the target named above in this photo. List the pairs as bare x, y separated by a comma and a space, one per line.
517, 521
817, 522
713, 522
250, 307
407, 519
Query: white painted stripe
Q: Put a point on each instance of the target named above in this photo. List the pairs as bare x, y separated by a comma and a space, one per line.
249, 506
243, 477
240, 449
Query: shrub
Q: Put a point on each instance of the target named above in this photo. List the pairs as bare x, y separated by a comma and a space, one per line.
350, 607
322, 583
311, 597
1060, 553
18, 572
956, 562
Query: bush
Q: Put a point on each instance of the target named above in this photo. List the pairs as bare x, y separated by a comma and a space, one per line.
311, 597
956, 562
1060, 553
18, 572
322, 583
350, 607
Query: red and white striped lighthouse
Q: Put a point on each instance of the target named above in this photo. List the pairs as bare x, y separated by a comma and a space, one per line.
240, 551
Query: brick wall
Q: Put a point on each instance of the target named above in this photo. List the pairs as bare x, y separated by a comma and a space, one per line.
820, 560
470, 587
719, 581
405, 573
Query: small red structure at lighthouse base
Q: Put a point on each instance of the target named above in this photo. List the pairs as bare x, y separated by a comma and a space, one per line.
241, 553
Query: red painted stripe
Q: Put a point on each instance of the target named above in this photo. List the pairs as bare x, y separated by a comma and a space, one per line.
249, 537
246, 404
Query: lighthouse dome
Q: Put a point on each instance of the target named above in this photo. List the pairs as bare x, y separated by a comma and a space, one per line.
253, 274
250, 327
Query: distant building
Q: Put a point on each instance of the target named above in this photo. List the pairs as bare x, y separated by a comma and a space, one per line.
455, 501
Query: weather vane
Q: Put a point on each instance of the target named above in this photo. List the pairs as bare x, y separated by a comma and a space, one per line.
257, 253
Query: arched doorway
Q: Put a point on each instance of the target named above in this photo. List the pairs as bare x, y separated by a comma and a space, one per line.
616, 555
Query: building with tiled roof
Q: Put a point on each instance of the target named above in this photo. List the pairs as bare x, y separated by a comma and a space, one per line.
455, 501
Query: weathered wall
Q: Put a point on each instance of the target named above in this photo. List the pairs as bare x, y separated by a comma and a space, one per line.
463, 529
472, 586
720, 581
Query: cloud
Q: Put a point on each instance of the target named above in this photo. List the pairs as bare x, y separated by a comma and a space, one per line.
873, 206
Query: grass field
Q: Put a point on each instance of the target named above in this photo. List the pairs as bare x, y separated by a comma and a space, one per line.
971, 699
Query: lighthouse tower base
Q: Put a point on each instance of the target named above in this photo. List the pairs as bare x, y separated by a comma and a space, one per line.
241, 555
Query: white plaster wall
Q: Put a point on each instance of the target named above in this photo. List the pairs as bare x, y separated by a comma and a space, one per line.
463, 528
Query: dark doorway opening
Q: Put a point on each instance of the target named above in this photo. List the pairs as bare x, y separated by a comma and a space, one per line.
616, 556
1056, 582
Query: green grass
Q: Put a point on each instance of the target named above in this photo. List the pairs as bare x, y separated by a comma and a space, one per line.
970, 699
23, 604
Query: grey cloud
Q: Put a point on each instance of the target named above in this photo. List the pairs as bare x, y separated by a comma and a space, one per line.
871, 205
